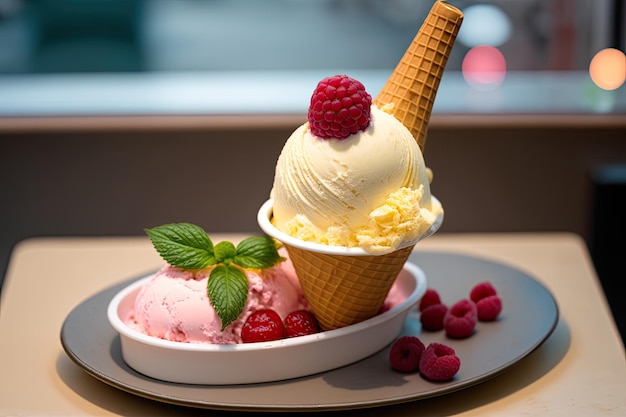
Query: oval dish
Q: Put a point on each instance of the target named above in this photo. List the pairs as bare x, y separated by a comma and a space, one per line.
212, 364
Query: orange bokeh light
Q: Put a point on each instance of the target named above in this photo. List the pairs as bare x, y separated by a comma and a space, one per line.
608, 69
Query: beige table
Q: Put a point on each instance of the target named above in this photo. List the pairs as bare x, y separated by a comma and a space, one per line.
579, 371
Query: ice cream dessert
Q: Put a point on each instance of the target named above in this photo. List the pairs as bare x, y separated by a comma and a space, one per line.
351, 192
207, 293
370, 189
174, 304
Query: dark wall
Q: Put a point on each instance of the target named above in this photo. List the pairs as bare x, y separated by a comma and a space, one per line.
509, 178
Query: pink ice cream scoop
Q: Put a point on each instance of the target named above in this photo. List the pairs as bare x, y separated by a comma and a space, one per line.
174, 305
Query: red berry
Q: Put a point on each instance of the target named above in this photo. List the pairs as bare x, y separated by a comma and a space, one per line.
489, 308
482, 290
432, 317
429, 298
460, 320
439, 362
405, 354
385, 307
340, 107
262, 326
300, 323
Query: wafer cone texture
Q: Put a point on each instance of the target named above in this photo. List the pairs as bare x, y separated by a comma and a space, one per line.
411, 89
343, 290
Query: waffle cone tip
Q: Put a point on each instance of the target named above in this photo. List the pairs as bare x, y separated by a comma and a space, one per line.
410, 91
343, 290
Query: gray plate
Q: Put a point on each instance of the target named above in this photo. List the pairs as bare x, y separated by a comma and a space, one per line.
529, 316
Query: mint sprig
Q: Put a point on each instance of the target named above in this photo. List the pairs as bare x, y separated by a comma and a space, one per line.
187, 246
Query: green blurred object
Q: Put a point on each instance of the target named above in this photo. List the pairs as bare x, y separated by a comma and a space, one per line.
86, 36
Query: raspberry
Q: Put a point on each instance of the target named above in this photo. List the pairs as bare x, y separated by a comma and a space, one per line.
384, 308
405, 354
482, 290
340, 106
432, 317
300, 323
439, 362
460, 320
430, 297
262, 326
488, 308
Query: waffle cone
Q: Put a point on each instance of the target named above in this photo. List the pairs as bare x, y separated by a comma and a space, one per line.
410, 90
343, 290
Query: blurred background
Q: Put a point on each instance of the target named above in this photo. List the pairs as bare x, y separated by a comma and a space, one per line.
117, 115
52, 36
110, 46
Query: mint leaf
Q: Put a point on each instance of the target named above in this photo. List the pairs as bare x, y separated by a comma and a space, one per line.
227, 289
257, 252
224, 252
187, 246
183, 245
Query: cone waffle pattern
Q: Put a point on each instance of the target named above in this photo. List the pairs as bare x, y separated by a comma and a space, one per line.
413, 84
344, 290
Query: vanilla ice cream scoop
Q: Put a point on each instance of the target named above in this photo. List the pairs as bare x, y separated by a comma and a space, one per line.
369, 190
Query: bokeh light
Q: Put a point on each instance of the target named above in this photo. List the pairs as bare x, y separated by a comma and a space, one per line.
484, 68
484, 24
608, 69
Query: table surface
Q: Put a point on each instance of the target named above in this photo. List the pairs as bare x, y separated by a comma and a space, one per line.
579, 371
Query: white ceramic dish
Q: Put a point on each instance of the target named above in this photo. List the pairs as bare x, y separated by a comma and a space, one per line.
266, 361
264, 219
